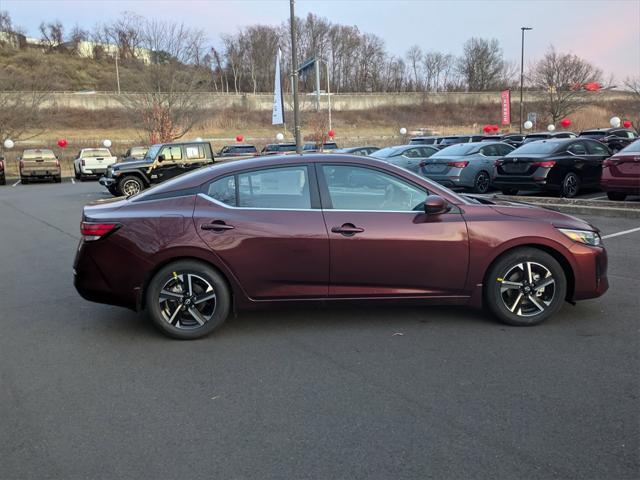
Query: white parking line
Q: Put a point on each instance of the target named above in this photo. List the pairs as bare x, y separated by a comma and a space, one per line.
597, 198
73, 181
16, 183
624, 232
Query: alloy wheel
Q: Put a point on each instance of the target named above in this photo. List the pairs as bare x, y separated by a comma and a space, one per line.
482, 182
187, 301
570, 186
527, 289
130, 187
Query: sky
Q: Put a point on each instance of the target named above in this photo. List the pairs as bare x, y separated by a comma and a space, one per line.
605, 32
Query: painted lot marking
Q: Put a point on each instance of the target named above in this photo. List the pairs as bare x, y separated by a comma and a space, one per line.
73, 181
624, 232
16, 183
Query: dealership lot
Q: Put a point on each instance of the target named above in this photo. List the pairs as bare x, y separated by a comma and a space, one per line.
91, 390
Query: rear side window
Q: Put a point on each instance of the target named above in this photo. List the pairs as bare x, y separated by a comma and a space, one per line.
504, 149
282, 188
577, 149
597, 149
195, 152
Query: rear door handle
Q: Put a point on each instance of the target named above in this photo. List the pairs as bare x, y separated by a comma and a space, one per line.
216, 226
347, 229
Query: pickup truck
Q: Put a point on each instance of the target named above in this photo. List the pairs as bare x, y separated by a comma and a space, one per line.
162, 162
39, 164
92, 162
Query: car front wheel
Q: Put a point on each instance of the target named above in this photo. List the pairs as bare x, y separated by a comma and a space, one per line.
617, 196
188, 299
525, 287
130, 185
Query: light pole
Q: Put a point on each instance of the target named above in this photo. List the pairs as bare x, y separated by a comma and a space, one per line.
294, 79
522, 71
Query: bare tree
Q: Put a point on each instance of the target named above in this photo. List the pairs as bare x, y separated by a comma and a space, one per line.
561, 76
6, 24
633, 84
125, 32
481, 64
414, 59
169, 104
52, 34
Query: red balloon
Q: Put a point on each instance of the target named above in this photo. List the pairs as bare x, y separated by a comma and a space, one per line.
239, 138
487, 128
332, 134
495, 128
565, 122
62, 143
626, 124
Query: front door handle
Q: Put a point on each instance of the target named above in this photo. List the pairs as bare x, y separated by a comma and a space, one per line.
347, 229
216, 226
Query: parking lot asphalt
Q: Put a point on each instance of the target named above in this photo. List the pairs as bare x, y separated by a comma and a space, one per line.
92, 391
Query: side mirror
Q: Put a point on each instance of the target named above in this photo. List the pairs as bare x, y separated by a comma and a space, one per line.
435, 205
160, 158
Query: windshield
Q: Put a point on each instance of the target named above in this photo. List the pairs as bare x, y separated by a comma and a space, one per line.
138, 151
388, 152
96, 152
152, 152
457, 150
537, 147
31, 154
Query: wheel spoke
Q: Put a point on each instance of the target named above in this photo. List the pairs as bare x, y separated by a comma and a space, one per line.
529, 275
204, 297
189, 286
534, 300
545, 283
197, 316
167, 295
507, 285
516, 303
173, 320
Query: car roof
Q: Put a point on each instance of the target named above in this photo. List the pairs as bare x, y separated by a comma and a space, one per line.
180, 143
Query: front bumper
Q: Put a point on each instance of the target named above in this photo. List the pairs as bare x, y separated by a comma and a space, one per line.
107, 182
590, 271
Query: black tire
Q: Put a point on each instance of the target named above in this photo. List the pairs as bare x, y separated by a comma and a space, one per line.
482, 182
509, 191
570, 185
3, 180
113, 191
77, 174
57, 179
126, 185
504, 301
24, 181
184, 326
617, 196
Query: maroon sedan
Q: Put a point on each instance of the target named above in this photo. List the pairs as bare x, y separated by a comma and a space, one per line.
335, 228
621, 173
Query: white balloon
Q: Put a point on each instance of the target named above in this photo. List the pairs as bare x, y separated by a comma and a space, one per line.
8, 143
615, 122
199, 139
551, 127
528, 125
279, 136
106, 143
403, 131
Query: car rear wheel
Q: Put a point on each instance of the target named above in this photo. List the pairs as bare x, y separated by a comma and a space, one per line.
617, 196
509, 191
525, 287
57, 179
3, 180
24, 181
77, 174
482, 182
130, 185
188, 299
570, 185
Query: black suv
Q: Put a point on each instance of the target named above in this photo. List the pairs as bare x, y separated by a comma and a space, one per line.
3, 179
561, 165
431, 140
534, 137
162, 162
275, 148
455, 139
238, 151
513, 139
614, 138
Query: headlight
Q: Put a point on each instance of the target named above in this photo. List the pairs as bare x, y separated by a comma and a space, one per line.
583, 236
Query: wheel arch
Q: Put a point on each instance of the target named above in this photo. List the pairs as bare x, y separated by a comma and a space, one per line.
137, 174
555, 253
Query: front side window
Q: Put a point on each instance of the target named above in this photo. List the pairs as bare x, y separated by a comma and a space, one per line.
172, 153
361, 188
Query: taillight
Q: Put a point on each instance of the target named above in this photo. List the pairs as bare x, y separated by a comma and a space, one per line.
95, 231
21, 164
422, 164
497, 163
1, 164
461, 164
547, 164
82, 162
57, 162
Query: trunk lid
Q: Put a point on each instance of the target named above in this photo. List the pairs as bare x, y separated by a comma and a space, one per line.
625, 165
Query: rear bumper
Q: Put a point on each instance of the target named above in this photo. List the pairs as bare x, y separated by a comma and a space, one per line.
523, 183
93, 173
40, 173
630, 187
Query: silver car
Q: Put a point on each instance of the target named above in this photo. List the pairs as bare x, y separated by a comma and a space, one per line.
411, 157
466, 165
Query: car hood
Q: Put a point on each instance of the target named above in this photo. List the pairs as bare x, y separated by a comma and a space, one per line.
534, 212
132, 164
